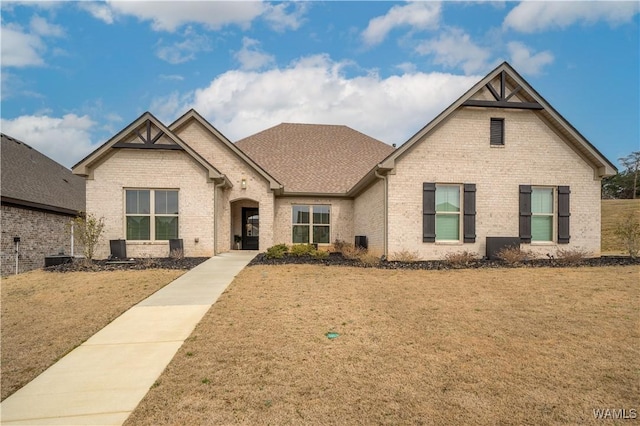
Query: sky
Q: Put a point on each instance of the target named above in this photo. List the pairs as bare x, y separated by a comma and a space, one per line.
76, 73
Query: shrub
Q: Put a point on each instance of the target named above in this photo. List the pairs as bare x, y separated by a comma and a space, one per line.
349, 251
460, 258
302, 250
572, 256
277, 252
339, 245
176, 254
405, 256
628, 230
320, 254
87, 231
514, 255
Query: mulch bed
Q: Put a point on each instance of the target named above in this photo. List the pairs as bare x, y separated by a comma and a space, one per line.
81, 265
336, 259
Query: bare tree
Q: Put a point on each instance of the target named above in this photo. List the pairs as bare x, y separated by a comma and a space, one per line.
632, 164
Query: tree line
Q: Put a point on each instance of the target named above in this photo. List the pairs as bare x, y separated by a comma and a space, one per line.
625, 183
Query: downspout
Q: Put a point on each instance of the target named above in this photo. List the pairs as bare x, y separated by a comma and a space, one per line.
215, 213
386, 215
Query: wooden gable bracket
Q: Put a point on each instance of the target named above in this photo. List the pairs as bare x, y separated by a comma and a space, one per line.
502, 99
147, 141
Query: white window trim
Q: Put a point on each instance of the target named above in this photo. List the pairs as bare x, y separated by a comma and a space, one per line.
311, 224
553, 214
459, 213
152, 214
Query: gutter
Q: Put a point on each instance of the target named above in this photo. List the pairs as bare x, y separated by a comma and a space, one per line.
386, 213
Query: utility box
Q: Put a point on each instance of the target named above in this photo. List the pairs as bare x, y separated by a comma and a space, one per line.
495, 244
176, 244
118, 249
361, 242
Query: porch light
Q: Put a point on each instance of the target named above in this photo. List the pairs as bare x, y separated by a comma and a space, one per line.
243, 183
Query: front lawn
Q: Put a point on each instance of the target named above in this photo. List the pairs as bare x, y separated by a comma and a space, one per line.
47, 314
492, 346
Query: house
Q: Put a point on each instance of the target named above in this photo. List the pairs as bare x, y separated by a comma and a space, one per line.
498, 162
39, 199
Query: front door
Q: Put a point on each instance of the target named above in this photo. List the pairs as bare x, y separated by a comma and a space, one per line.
250, 228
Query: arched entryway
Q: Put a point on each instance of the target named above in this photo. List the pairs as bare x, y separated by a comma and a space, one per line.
245, 224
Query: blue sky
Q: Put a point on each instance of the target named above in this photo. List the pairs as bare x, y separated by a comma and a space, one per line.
75, 73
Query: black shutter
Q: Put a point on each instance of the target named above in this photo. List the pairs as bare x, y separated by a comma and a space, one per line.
469, 224
525, 213
563, 214
497, 131
428, 212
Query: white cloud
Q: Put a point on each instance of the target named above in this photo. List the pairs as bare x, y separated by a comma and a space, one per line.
171, 77
98, 10
407, 67
65, 139
418, 16
530, 17
41, 27
170, 15
280, 19
525, 62
20, 49
184, 50
454, 48
250, 57
315, 89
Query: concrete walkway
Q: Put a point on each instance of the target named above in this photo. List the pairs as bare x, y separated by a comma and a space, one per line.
102, 381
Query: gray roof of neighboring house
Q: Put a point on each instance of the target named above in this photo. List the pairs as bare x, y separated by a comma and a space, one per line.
32, 179
315, 158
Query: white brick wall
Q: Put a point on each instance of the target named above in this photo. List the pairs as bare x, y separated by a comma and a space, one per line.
458, 151
369, 216
341, 217
153, 169
229, 164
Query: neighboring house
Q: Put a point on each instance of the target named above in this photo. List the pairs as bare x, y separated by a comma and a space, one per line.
39, 199
499, 162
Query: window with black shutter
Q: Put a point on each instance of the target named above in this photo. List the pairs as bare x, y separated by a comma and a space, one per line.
497, 131
563, 215
428, 212
447, 211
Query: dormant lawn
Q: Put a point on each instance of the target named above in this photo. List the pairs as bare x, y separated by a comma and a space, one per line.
500, 346
47, 314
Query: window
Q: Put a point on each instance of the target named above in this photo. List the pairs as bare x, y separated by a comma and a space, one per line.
542, 213
143, 221
544, 210
497, 131
311, 224
447, 213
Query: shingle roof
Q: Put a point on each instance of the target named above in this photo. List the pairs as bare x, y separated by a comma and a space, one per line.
31, 178
315, 158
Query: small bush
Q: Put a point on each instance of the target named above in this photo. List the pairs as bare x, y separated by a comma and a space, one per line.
349, 251
339, 245
148, 262
277, 252
176, 254
628, 230
572, 256
405, 256
302, 250
460, 258
514, 255
320, 254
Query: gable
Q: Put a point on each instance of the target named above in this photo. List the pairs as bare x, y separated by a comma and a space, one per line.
145, 133
215, 147
504, 88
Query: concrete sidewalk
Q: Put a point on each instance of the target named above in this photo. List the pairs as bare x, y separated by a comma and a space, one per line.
102, 381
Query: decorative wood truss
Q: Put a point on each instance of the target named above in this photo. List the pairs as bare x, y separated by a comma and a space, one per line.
148, 142
502, 99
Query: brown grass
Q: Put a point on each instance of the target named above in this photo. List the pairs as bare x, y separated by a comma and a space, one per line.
613, 212
525, 346
46, 314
